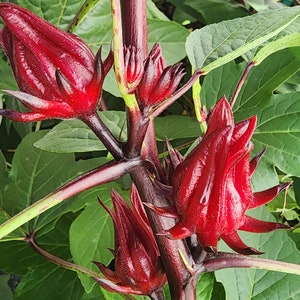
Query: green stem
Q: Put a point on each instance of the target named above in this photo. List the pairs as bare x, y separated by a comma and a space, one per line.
38, 126
196, 90
86, 7
199, 109
104, 174
118, 44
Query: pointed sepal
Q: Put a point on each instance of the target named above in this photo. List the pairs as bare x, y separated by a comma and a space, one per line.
264, 197
234, 242
258, 226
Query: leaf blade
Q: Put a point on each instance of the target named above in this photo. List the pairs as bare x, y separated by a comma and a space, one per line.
291, 40
74, 136
217, 44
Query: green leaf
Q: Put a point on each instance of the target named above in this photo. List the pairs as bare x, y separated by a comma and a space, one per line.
1, 106
265, 175
82, 13
68, 137
293, 27
5, 291
16, 257
296, 188
95, 28
153, 12
279, 128
22, 128
205, 286
7, 80
263, 81
290, 29
176, 127
59, 13
217, 44
291, 40
114, 296
275, 129
48, 283
169, 35
218, 292
260, 5
291, 85
15, 235
262, 284
34, 174
3, 177
211, 11
95, 294
74, 136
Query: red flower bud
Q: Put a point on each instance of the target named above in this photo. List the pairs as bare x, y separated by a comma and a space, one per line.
134, 68
138, 268
58, 75
211, 187
158, 81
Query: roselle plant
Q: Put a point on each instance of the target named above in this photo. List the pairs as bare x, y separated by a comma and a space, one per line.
135, 169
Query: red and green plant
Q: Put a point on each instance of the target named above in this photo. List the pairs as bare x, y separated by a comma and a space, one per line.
121, 142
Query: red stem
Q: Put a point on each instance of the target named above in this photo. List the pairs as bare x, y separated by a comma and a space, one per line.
104, 174
105, 283
224, 260
104, 134
240, 83
135, 33
177, 273
151, 150
134, 23
137, 126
